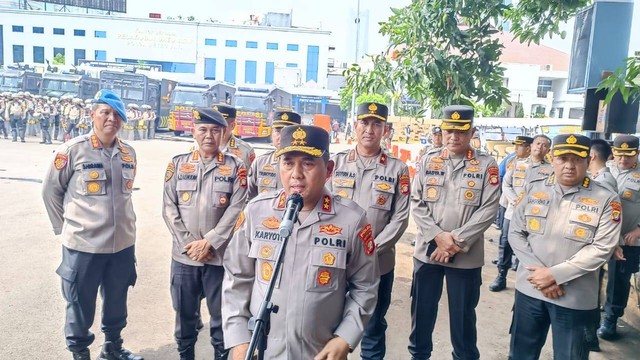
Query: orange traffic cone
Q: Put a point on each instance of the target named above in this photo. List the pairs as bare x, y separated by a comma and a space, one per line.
337, 140
349, 141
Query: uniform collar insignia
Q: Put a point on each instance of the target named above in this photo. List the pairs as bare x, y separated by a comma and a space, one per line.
282, 201
552, 179
95, 142
220, 157
195, 155
471, 154
327, 204
586, 182
232, 142
383, 158
352, 155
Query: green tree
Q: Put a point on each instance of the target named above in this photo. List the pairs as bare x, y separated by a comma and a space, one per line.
58, 59
445, 51
625, 80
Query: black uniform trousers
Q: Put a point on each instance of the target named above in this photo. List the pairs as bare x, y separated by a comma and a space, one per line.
82, 274
505, 252
373, 345
188, 284
618, 285
530, 325
463, 292
18, 127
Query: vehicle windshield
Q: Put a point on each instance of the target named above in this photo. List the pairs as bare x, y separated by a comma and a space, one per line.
250, 103
131, 94
63, 85
9, 81
189, 98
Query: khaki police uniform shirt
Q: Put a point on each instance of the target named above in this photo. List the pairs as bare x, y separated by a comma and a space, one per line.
518, 176
458, 196
87, 193
606, 179
16, 109
328, 284
571, 232
242, 150
383, 190
264, 175
629, 192
203, 202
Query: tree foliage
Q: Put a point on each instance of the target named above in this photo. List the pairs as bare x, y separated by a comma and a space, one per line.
443, 52
625, 80
58, 59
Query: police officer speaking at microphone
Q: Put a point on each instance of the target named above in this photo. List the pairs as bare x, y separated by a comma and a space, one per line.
454, 200
204, 192
564, 228
326, 291
379, 183
87, 194
264, 175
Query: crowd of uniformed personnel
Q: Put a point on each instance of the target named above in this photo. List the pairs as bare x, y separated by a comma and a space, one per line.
24, 114
223, 208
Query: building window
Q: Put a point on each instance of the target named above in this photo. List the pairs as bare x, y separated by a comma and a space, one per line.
544, 86
78, 32
167, 66
250, 69
38, 54
99, 34
78, 54
292, 47
18, 28
101, 55
313, 53
59, 53
209, 69
18, 53
230, 71
38, 30
58, 31
268, 74
272, 46
210, 42
231, 43
292, 65
252, 44
576, 113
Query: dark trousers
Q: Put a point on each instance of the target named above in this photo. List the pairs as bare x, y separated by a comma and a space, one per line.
505, 252
373, 344
530, 325
3, 128
82, 274
72, 130
500, 216
18, 128
463, 290
56, 126
618, 285
188, 283
45, 125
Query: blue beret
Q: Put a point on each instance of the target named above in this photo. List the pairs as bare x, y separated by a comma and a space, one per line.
110, 98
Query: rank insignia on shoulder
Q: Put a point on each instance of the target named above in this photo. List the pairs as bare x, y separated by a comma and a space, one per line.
60, 161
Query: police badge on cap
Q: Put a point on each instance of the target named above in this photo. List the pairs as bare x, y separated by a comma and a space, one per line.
523, 140
228, 112
208, 116
308, 139
457, 117
625, 145
571, 144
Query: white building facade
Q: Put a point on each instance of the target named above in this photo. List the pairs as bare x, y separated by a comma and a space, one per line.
190, 51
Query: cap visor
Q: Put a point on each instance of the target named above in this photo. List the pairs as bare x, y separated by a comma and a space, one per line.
375, 116
632, 152
445, 126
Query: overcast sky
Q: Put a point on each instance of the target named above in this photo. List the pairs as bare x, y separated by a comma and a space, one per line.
332, 15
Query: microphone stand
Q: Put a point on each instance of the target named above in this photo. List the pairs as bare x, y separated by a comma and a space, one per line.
260, 324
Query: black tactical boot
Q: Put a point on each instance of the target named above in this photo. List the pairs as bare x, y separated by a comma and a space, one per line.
81, 355
607, 330
500, 283
113, 350
187, 354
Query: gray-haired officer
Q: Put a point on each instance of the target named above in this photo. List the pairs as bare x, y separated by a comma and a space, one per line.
380, 184
454, 200
204, 192
264, 175
512, 185
230, 143
564, 229
87, 194
625, 169
331, 253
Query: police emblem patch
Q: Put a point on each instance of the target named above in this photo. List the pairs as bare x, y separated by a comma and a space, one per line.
171, 169
404, 184
330, 229
324, 277
60, 161
493, 175
432, 193
266, 251
93, 187
534, 224
366, 236
271, 223
383, 186
239, 222
186, 196
94, 174
469, 195
381, 200
328, 259
266, 271
187, 168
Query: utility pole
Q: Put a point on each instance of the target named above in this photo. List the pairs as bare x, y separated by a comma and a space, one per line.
353, 96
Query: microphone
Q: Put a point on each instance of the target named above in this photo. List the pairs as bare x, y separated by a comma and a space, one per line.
294, 205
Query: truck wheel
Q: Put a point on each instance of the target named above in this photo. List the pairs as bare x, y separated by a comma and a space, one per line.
178, 133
